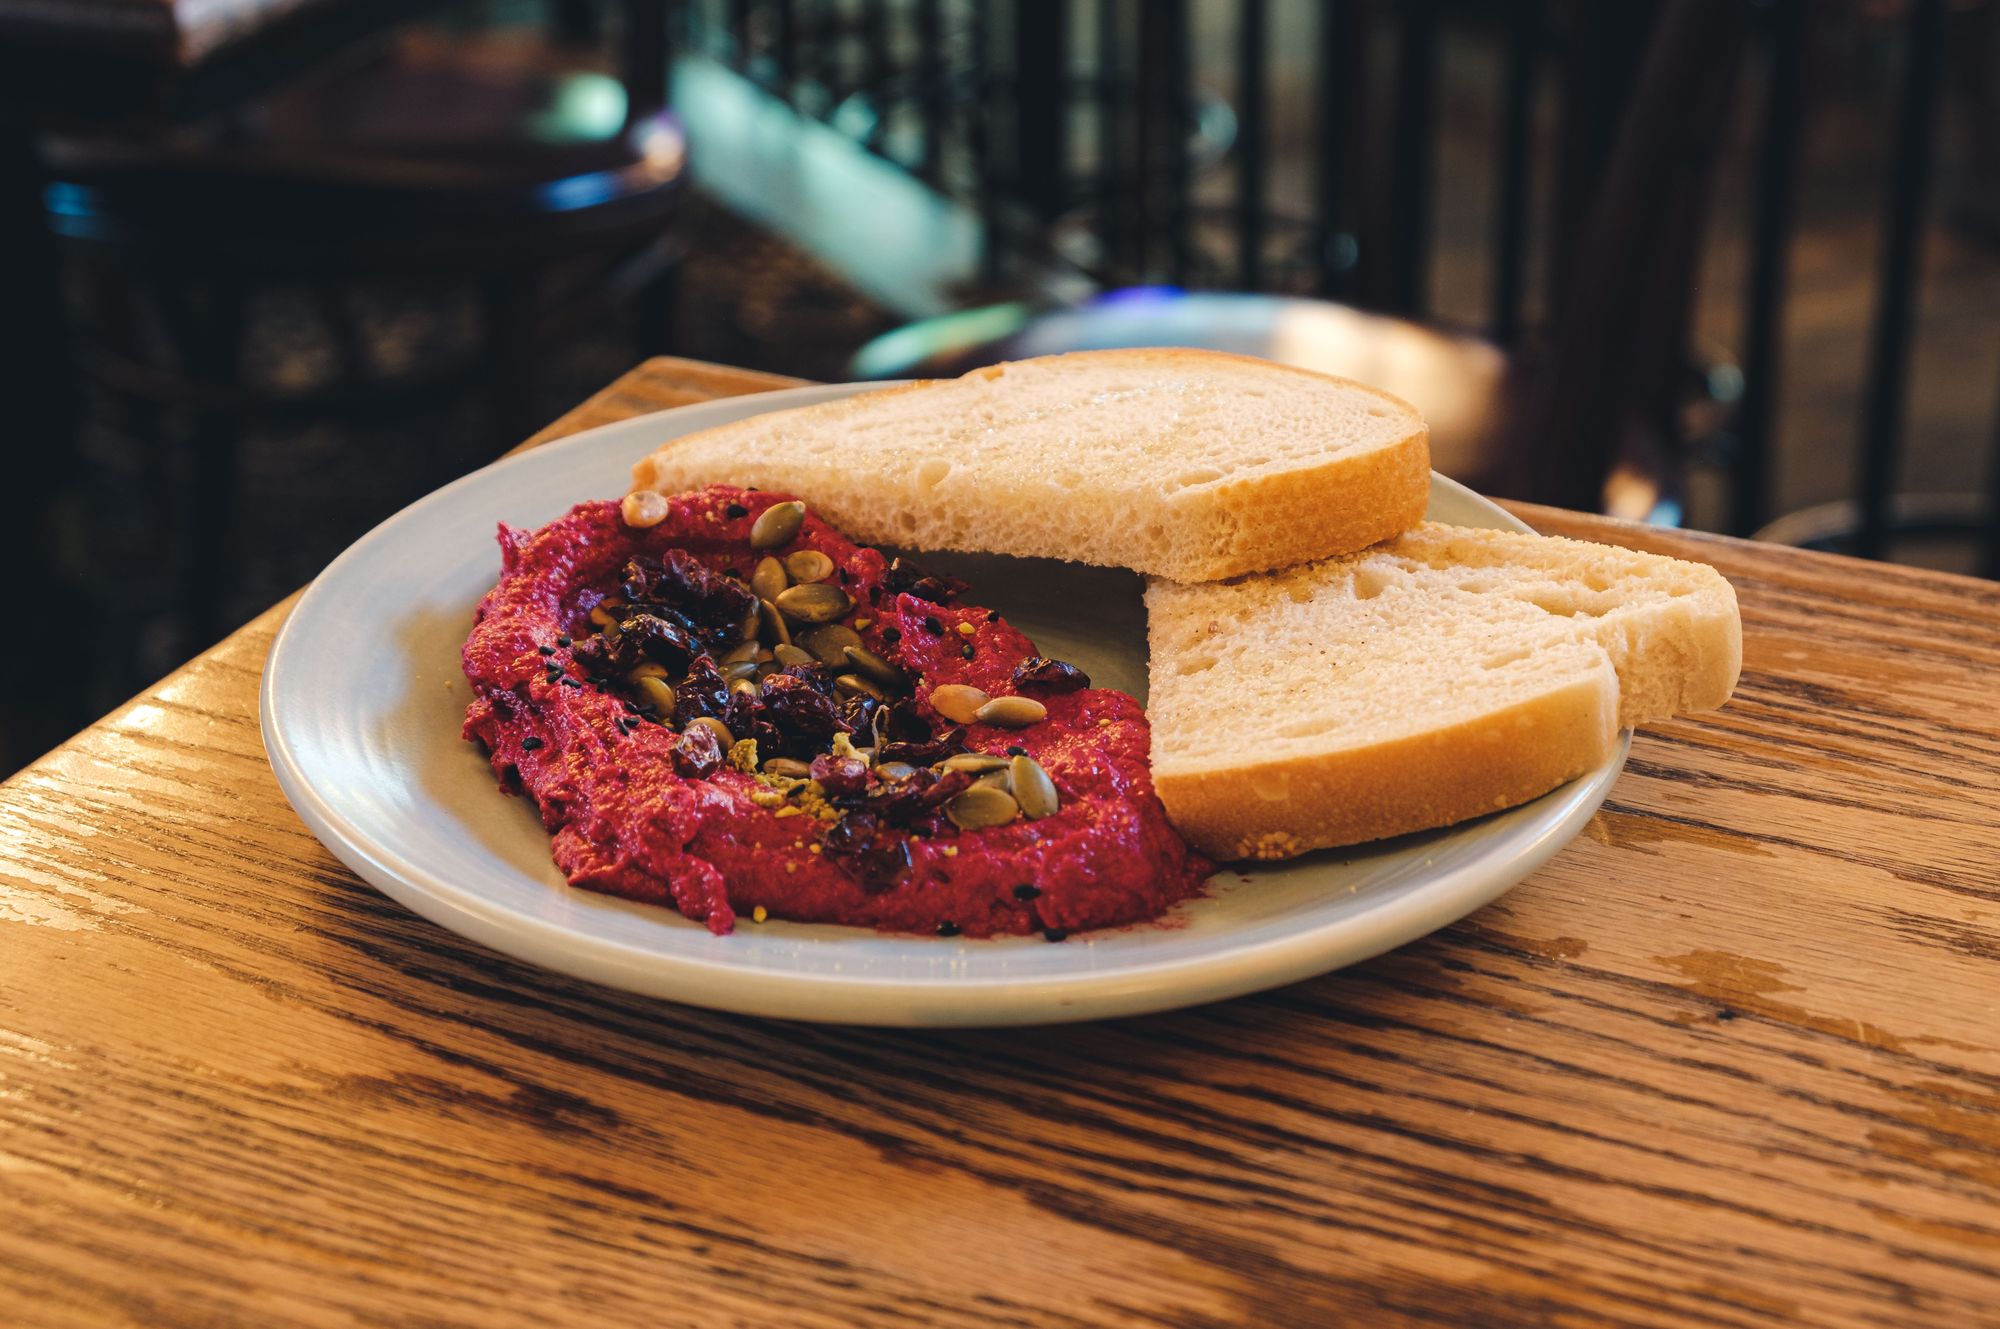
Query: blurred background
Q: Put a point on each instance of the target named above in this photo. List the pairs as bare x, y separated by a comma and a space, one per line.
275, 268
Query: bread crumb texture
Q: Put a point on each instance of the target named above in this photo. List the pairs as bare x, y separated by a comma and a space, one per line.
1184, 463
1445, 673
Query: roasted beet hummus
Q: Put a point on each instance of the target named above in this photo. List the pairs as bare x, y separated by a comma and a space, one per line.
737, 711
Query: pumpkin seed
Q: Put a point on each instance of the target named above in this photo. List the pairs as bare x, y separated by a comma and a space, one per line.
808, 565
977, 762
739, 654
722, 734
1012, 712
747, 686
740, 670
854, 685
958, 702
815, 602
787, 767
898, 771
642, 508
777, 524
829, 644
981, 806
768, 579
787, 654
771, 624
656, 693
878, 671
1033, 789
995, 780
645, 669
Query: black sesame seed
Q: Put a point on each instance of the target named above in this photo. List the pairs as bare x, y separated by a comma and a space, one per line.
992, 616
892, 635
736, 510
947, 929
531, 744
1055, 934
967, 651
932, 626
563, 640
546, 650
1027, 890
1016, 750
571, 683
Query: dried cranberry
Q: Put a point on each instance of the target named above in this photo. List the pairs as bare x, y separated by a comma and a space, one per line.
840, 777
798, 704
701, 692
910, 801
874, 856
644, 637
1039, 671
698, 754
935, 748
858, 713
908, 578
677, 579
904, 723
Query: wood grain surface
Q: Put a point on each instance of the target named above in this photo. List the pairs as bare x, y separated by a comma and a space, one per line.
1732, 1057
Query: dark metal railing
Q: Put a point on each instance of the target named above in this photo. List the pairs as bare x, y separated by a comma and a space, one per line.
1003, 110
1889, 344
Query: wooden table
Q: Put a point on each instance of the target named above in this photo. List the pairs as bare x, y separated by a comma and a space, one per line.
1733, 1057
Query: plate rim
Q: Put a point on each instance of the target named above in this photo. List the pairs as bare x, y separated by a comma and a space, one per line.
1135, 987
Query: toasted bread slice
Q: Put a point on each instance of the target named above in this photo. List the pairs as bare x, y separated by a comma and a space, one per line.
1187, 464
1447, 673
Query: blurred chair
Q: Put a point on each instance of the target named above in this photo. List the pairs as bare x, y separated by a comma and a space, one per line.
1556, 415
549, 191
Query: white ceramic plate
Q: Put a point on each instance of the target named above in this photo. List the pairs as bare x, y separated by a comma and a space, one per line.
362, 700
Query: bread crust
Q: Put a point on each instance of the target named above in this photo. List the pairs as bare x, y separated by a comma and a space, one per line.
1251, 525
1684, 655
1278, 809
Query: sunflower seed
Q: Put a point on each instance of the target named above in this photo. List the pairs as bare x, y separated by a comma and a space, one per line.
787, 654
981, 806
979, 763
790, 769
957, 702
1011, 712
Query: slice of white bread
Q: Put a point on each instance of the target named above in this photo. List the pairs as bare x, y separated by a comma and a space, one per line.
1186, 464
1447, 673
